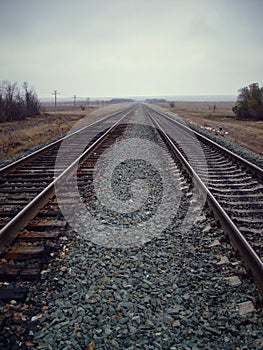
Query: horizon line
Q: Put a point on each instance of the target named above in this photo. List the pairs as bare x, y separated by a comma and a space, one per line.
139, 96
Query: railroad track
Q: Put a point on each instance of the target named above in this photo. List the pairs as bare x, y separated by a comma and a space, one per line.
155, 267
232, 185
29, 214
38, 222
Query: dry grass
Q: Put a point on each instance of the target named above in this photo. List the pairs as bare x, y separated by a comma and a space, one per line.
246, 133
18, 136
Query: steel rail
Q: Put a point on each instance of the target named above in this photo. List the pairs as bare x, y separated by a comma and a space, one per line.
12, 229
256, 169
8, 168
249, 257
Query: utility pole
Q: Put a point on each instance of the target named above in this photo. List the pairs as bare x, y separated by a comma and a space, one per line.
55, 93
74, 101
87, 102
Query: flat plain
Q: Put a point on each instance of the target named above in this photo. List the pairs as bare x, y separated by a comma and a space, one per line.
18, 136
222, 122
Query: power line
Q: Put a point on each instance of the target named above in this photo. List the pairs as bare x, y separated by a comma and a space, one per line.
55, 93
87, 102
74, 101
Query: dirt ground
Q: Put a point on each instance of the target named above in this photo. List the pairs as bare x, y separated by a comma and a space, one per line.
19, 136
222, 122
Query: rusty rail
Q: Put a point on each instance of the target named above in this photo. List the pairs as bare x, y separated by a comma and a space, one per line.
251, 260
12, 229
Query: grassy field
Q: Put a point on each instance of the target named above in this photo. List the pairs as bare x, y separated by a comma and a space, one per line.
19, 136
246, 133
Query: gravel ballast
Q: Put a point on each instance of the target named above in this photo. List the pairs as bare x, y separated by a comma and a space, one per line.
241, 151
183, 289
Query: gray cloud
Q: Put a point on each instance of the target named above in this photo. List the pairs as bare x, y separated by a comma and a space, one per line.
111, 48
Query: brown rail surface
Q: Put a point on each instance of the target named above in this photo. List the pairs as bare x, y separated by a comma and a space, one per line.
30, 214
232, 185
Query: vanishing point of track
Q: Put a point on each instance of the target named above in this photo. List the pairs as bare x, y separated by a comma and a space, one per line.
232, 187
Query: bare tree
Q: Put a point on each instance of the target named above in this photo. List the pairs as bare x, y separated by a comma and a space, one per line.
16, 105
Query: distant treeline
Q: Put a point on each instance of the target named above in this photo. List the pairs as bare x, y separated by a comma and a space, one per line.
121, 100
17, 103
155, 100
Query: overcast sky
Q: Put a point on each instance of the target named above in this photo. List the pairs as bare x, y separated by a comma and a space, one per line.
132, 47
